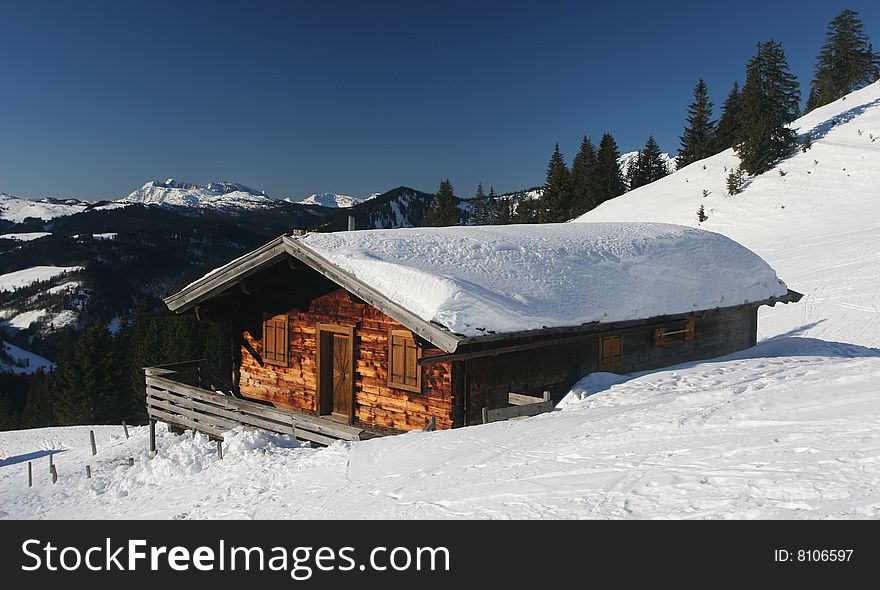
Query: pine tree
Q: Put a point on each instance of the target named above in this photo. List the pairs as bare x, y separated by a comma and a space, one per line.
697, 142
769, 101
735, 181
701, 214
609, 179
526, 209
583, 179
92, 386
443, 211
726, 130
38, 410
648, 166
631, 176
491, 206
846, 62
504, 216
555, 202
478, 206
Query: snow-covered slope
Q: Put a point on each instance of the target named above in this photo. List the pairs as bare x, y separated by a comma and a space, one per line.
223, 196
23, 278
19, 360
17, 210
790, 429
815, 218
331, 200
25, 237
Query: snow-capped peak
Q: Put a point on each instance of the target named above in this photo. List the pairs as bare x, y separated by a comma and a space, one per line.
330, 200
213, 195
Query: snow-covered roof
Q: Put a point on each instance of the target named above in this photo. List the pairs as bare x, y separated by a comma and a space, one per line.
498, 279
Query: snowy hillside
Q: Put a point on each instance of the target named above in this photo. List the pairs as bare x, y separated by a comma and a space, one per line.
331, 200
19, 360
221, 196
17, 210
23, 278
815, 218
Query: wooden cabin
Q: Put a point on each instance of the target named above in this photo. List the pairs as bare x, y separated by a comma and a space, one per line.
364, 333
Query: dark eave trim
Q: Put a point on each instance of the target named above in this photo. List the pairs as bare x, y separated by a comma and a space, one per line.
496, 344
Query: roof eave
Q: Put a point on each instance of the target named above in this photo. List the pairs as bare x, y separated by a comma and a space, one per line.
433, 333
227, 275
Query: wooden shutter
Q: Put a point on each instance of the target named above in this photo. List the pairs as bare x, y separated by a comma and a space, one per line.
403, 353
275, 342
671, 336
610, 352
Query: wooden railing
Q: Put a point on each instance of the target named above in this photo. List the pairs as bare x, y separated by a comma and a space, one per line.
175, 396
519, 405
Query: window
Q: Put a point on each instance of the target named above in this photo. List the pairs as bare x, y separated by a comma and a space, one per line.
275, 341
403, 370
677, 335
610, 352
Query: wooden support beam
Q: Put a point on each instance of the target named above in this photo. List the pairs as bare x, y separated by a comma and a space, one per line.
152, 436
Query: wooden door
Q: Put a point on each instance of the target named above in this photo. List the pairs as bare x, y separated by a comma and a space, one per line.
342, 376
336, 371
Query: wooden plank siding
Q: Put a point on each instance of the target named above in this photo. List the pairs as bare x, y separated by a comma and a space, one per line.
557, 367
375, 402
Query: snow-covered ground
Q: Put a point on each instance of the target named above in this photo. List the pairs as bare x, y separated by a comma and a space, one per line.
25, 237
28, 276
790, 429
787, 429
24, 361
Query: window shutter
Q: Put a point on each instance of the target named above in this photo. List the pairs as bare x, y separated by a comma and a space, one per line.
403, 367
672, 336
275, 341
610, 352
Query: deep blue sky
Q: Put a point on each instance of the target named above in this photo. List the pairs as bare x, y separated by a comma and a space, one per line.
357, 97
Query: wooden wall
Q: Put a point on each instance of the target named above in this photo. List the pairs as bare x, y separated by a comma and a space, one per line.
376, 404
557, 368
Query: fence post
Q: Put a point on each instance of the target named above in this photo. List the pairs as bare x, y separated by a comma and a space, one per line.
30, 474
54, 473
88, 472
485, 415
51, 462
152, 435
125, 428
219, 449
92, 439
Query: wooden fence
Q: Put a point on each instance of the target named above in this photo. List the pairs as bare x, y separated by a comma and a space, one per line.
173, 397
519, 405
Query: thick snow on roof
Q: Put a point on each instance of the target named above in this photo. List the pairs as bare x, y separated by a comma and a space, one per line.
478, 280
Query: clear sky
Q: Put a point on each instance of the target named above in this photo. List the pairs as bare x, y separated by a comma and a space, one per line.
360, 97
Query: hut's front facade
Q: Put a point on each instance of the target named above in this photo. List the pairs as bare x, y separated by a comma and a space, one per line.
375, 332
